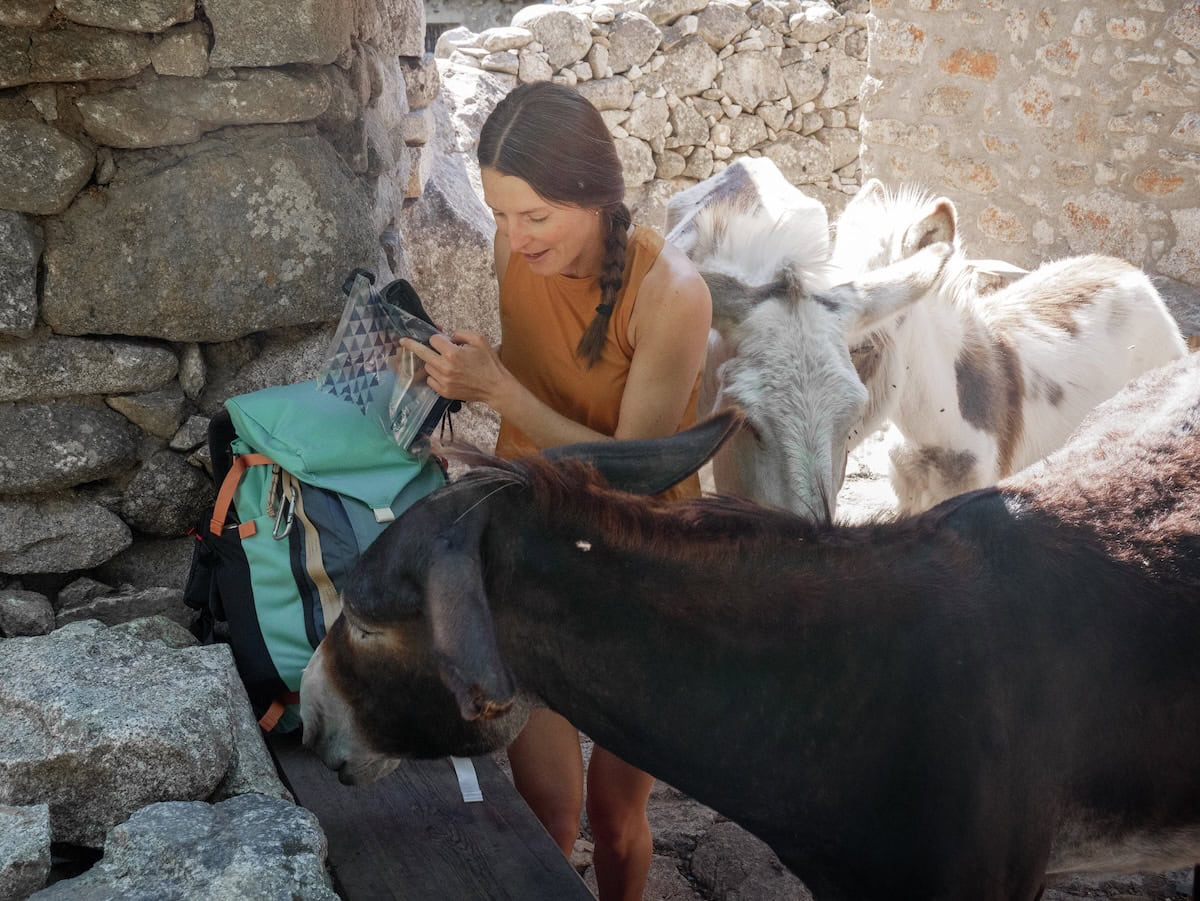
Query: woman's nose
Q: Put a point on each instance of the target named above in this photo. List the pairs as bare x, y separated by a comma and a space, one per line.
517, 237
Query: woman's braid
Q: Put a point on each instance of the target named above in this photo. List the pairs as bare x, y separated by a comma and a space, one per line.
616, 220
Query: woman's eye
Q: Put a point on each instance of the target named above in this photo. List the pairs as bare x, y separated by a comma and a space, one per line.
538, 221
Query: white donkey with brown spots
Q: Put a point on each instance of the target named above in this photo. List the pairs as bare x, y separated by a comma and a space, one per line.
779, 345
981, 385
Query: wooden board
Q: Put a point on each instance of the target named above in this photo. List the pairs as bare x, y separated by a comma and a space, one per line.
411, 836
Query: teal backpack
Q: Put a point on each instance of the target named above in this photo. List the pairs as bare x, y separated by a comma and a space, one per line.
309, 475
306, 483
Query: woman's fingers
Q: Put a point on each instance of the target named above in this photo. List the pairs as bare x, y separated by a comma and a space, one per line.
419, 350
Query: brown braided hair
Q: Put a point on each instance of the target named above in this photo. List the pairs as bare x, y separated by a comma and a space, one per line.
550, 136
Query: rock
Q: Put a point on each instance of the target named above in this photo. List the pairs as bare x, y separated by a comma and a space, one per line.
47, 366
277, 32
167, 496
664, 12
494, 40
565, 36
157, 628
192, 371
729, 859
636, 159
804, 81
843, 144
157, 412
752, 77
23, 613
814, 24
720, 24
182, 52
453, 38
98, 724
56, 534
273, 224
20, 252
246, 847
84, 54
688, 127
191, 434
24, 849
25, 13
41, 168
691, 67
614, 93
54, 445
139, 15
802, 160
150, 563
81, 591
165, 111
280, 358
632, 40
129, 605
649, 120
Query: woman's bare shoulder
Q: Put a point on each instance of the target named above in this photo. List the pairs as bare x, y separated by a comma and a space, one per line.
672, 293
673, 278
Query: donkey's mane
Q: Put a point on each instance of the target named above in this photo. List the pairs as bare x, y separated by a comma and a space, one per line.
755, 248
698, 529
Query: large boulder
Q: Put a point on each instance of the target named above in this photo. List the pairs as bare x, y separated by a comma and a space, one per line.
57, 534
59, 444
246, 847
98, 723
237, 237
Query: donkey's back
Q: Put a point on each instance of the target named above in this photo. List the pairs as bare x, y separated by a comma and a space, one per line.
1082, 328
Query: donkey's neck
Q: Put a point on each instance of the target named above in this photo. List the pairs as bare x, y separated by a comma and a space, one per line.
658, 653
916, 385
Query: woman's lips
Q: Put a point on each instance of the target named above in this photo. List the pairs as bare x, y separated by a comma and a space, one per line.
532, 257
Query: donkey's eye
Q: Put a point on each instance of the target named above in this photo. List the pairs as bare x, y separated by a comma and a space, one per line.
755, 433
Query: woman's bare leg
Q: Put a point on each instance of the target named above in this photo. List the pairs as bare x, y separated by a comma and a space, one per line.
616, 803
547, 768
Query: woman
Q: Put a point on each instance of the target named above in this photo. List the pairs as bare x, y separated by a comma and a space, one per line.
604, 330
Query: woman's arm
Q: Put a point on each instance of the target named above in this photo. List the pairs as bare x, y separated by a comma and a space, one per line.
669, 331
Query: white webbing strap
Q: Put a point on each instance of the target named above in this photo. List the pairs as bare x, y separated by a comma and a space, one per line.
468, 779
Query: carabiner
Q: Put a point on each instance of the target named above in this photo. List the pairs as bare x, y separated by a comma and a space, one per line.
288, 503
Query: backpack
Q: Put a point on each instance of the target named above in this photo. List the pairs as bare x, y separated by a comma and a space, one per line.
307, 481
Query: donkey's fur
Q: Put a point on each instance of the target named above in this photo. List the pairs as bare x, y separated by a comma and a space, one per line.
980, 386
941, 708
779, 346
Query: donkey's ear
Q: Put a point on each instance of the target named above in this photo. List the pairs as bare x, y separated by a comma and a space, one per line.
652, 465
732, 300
870, 299
872, 191
939, 224
464, 639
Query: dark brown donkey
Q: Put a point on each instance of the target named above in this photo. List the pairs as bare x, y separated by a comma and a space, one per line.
947, 707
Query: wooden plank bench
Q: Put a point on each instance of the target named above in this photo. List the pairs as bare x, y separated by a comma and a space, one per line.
411, 835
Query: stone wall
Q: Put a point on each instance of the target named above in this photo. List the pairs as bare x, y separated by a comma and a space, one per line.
1058, 128
688, 85
183, 187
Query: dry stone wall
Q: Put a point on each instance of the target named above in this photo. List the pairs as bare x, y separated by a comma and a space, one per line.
1058, 127
183, 187
686, 86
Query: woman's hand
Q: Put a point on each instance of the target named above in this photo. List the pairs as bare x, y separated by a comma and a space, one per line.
462, 367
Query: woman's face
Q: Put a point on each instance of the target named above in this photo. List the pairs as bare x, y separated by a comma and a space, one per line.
554, 239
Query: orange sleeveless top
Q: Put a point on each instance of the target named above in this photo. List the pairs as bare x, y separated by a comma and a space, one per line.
541, 322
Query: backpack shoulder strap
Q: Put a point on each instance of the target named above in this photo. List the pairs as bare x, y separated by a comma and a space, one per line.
229, 486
